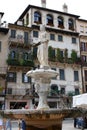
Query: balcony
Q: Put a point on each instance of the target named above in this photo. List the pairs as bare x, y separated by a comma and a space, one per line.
19, 64
19, 41
19, 92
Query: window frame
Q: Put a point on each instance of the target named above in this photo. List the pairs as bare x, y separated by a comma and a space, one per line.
13, 33
74, 40
11, 76
76, 75
52, 36
37, 17
27, 19
60, 38
62, 74
60, 22
35, 34
77, 91
26, 37
49, 19
13, 55
70, 24
62, 90
25, 79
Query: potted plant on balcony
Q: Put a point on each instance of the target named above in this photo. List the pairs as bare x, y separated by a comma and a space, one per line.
74, 56
59, 56
66, 55
51, 54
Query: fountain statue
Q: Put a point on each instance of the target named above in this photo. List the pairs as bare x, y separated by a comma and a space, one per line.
44, 74
42, 53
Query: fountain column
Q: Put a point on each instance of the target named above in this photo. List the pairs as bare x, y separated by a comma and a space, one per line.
42, 89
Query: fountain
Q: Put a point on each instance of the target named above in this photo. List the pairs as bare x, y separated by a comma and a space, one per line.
43, 117
44, 74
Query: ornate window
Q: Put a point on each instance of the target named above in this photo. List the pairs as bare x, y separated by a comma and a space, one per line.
60, 22
71, 24
49, 20
37, 17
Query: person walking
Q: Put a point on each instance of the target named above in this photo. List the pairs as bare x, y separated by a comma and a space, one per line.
23, 124
19, 124
8, 125
1, 124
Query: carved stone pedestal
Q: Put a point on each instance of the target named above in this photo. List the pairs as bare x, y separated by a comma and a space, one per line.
42, 89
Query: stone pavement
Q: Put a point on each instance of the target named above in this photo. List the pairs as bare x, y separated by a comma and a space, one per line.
68, 125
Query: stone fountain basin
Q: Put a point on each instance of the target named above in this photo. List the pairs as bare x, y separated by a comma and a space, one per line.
35, 119
42, 73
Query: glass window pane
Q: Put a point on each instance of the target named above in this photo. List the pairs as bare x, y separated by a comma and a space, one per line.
73, 40
60, 38
35, 34
13, 33
62, 75
52, 37
76, 76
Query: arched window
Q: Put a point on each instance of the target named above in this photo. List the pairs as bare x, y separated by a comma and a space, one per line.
37, 17
27, 19
60, 22
71, 24
13, 55
54, 90
49, 20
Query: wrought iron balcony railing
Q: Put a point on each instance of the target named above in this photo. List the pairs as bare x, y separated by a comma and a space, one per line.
19, 91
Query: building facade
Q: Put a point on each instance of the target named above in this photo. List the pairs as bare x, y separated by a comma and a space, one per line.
63, 52
66, 49
3, 57
18, 90
82, 29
